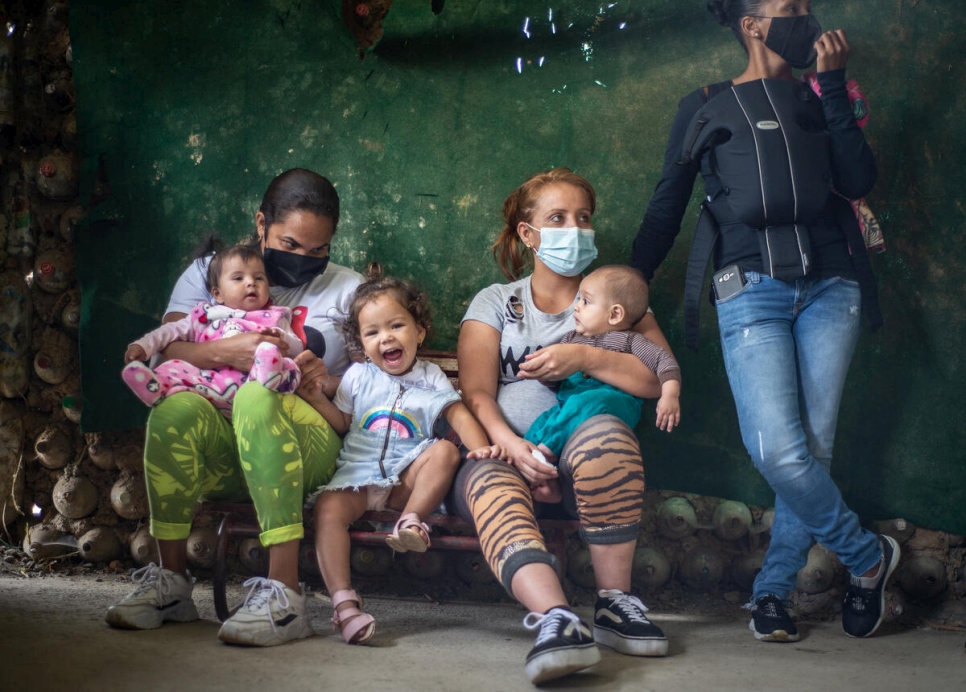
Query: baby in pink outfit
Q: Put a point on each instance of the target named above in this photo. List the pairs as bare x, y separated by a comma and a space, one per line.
239, 285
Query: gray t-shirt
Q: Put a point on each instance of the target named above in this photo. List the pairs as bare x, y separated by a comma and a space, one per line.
524, 329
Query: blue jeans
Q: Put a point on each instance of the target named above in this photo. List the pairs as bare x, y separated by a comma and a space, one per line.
787, 348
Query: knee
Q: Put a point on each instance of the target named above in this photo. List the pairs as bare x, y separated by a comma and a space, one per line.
448, 454
253, 396
179, 411
487, 473
482, 481
775, 453
326, 511
605, 440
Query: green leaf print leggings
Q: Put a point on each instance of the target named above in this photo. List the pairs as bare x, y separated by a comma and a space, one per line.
277, 450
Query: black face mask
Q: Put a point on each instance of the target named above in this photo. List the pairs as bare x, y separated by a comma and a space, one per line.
793, 39
289, 269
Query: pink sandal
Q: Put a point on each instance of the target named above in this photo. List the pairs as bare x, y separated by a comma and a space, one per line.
410, 535
356, 627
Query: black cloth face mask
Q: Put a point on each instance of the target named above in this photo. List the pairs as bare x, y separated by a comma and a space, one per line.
290, 269
793, 39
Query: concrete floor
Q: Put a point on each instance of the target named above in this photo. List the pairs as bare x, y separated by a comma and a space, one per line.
53, 637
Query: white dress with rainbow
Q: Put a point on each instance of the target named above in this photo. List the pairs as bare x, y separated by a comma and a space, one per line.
392, 421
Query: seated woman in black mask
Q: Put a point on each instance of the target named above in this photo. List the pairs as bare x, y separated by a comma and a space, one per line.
276, 449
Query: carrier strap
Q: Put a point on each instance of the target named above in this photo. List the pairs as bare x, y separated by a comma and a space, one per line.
699, 124
702, 246
860, 262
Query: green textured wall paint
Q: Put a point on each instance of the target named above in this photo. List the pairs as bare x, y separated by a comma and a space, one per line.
197, 107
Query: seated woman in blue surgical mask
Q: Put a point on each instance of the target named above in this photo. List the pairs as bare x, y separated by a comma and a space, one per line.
509, 341
276, 449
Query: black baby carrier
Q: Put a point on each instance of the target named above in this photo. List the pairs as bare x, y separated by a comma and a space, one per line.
769, 169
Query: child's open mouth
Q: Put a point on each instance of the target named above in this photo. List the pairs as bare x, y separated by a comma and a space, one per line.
393, 357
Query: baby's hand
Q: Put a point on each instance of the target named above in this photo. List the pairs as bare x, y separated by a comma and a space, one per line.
491, 452
134, 352
668, 412
271, 331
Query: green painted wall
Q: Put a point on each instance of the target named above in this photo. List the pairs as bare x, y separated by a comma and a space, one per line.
197, 106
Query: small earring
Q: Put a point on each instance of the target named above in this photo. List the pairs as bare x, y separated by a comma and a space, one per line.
758, 35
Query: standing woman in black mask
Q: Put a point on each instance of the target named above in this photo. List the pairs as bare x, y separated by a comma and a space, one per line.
791, 280
276, 449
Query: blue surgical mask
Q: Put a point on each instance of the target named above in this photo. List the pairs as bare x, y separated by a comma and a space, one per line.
566, 251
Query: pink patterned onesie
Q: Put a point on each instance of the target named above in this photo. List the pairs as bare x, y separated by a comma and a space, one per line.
208, 322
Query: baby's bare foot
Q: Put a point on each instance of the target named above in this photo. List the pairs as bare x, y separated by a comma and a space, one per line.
548, 492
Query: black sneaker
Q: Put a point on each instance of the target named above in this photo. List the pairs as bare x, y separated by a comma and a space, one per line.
620, 623
862, 609
771, 622
564, 645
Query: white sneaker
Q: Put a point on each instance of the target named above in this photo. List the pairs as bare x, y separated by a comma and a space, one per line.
161, 595
272, 614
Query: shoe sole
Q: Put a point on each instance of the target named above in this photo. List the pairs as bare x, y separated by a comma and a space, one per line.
244, 636
557, 663
780, 636
631, 646
364, 635
890, 568
151, 620
408, 541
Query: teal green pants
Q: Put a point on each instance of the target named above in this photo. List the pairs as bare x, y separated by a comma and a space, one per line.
278, 451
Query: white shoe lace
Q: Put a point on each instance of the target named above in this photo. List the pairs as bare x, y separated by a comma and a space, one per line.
630, 606
151, 576
547, 623
261, 593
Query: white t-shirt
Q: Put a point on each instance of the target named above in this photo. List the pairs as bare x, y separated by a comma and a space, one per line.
318, 307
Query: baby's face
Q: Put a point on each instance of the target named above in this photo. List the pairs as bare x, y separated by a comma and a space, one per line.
390, 336
592, 309
242, 285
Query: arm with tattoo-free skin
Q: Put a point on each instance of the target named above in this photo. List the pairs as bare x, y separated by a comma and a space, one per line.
478, 352
470, 432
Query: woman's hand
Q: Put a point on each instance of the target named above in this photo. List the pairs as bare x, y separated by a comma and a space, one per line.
519, 454
316, 381
237, 352
557, 362
833, 51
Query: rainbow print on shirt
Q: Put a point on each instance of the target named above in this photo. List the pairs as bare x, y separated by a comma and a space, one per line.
404, 425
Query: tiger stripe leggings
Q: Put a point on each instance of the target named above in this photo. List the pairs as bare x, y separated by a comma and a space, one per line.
602, 480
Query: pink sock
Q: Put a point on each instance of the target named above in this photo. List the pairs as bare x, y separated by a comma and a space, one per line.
272, 369
142, 381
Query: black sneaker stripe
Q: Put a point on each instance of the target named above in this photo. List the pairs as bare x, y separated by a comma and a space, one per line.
286, 620
172, 604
